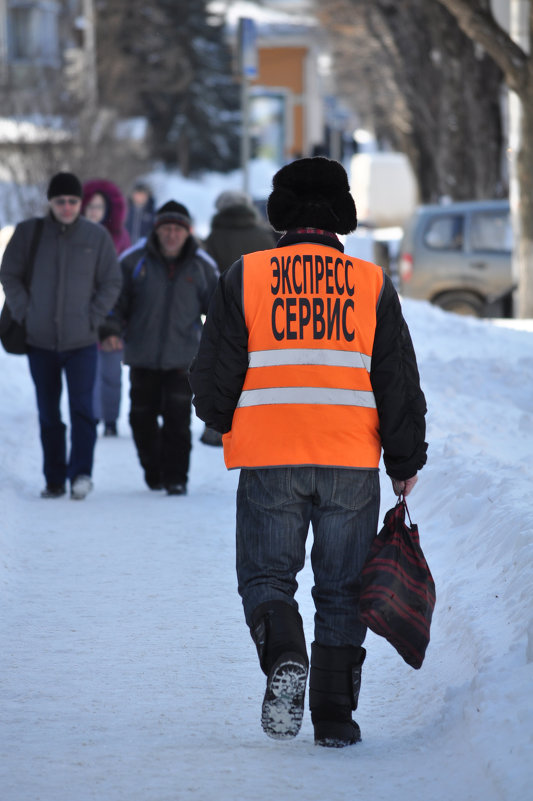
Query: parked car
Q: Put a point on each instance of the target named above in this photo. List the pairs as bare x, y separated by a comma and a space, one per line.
458, 256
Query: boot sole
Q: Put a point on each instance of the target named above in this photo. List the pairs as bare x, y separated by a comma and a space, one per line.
283, 704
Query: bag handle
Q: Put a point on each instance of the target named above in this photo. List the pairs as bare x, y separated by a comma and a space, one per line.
403, 502
33, 250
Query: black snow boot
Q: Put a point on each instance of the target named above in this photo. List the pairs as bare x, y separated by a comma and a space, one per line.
334, 684
277, 631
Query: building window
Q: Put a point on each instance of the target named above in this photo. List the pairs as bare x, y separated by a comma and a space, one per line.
32, 31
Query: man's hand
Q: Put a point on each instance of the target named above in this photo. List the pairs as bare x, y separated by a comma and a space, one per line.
403, 487
111, 343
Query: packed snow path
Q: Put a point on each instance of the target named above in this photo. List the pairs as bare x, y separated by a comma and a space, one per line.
126, 670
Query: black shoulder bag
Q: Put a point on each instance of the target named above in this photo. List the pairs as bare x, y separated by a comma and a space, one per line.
13, 334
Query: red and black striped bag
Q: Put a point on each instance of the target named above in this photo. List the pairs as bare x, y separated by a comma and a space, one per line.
398, 592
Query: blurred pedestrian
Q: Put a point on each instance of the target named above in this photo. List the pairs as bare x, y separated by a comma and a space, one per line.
307, 368
237, 229
104, 203
167, 285
74, 284
141, 211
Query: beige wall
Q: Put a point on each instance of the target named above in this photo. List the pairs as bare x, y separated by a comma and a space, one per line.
285, 67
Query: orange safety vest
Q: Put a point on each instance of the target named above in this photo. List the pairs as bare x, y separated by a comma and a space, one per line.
307, 399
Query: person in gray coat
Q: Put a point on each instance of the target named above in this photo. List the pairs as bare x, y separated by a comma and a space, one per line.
168, 282
75, 282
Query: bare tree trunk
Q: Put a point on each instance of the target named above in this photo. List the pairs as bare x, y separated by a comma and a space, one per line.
477, 21
425, 88
525, 179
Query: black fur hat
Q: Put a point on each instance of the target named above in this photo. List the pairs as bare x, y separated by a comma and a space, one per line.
312, 193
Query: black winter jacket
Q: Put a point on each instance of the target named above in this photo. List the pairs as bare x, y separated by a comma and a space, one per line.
236, 231
159, 314
218, 371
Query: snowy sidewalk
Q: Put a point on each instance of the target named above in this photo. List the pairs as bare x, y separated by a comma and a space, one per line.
127, 673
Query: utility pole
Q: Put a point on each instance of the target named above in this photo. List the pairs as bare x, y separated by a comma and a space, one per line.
248, 70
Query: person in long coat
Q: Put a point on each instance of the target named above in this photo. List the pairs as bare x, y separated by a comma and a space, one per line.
104, 203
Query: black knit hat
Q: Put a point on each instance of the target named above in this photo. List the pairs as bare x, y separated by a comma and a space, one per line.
312, 193
173, 212
64, 183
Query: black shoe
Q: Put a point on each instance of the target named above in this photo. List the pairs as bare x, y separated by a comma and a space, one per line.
110, 430
334, 685
53, 491
176, 489
283, 704
153, 480
336, 733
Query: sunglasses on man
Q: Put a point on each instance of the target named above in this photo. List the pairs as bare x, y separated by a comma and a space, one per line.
63, 201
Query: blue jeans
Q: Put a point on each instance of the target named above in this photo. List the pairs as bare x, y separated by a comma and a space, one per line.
274, 509
108, 385
46, 368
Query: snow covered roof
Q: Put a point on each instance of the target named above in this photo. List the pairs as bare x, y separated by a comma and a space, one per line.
32, 130
278, 18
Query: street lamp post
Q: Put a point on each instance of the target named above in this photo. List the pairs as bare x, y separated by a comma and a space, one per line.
248, 70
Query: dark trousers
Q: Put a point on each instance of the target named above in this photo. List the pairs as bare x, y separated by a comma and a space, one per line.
79, 366
163, 450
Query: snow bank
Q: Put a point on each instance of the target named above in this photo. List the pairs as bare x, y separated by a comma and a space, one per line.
126, 669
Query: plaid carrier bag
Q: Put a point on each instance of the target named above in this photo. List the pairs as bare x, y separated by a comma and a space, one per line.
397, 588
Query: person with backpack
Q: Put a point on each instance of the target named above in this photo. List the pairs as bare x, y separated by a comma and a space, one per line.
307, 368
74, 284
168, 282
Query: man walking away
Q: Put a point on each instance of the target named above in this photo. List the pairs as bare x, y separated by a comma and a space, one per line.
141, 211
306, 367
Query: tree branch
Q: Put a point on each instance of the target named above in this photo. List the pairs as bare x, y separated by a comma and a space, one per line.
477, 21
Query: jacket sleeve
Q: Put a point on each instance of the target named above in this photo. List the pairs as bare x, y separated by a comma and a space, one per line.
13, 270
217, 372
116, 321
108, 280
399, 398
211, 280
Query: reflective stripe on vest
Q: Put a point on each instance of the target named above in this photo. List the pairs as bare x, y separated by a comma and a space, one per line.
316, 395
333, 358
307, 398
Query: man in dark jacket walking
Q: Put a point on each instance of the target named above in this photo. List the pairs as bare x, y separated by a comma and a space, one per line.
236, 229
140, 213
168, 283
307, 368
74, 284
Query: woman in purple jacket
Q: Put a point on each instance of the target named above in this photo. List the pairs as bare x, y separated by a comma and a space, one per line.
104, 203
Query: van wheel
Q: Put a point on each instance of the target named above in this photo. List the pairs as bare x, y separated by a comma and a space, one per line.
460, 303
